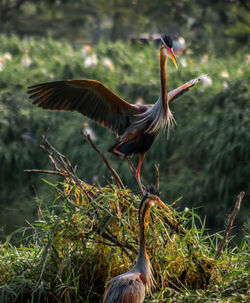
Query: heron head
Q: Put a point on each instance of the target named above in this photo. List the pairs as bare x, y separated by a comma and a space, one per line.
152, 197
167, 45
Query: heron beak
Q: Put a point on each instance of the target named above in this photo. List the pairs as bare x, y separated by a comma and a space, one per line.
172, 56
161, 204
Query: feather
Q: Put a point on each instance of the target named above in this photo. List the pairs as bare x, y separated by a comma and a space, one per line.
167, 39
124, 287
89, 97
179, 91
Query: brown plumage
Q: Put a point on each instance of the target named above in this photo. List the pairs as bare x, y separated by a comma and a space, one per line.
132, 286
138, 125
89, 97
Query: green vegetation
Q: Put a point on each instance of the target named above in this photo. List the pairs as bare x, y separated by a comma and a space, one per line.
61, 239
205, 159
90, 234
208, 25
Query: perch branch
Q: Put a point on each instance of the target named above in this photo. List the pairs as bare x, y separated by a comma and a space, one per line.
230, 223
62, 167
114, 173
52, 172
157, 175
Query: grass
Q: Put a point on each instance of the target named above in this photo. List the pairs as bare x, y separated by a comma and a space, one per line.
89, 234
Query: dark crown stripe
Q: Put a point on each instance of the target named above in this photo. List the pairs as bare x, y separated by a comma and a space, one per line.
168, 40
150, 190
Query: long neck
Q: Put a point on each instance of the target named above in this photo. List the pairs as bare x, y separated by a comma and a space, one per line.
164, 92
142, 219
143, 264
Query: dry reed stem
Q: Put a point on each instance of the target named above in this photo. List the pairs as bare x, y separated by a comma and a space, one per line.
230, 223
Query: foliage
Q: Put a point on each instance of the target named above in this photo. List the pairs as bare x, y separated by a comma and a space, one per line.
90, 234
209, 22
205, 159
218, 148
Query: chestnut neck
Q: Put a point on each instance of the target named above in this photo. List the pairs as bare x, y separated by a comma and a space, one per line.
164, 91
142, 221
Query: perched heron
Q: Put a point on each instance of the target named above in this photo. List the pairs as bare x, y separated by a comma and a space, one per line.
138, 125
132, 286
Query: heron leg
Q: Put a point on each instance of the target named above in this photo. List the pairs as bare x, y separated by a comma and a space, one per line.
116, 152
137, 175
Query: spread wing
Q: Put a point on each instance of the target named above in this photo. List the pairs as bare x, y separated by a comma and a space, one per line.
89, 97
176, 93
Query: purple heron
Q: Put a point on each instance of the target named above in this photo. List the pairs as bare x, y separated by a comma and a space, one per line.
138, 125
132, 286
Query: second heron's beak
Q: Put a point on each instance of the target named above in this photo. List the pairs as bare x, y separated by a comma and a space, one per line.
172, 56
161, 204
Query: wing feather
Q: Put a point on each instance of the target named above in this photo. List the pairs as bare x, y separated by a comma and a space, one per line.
130, 296
89, 97
176, 93
125, 288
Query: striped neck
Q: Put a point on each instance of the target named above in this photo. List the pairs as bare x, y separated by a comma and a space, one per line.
143, 264
142, 219
164, 91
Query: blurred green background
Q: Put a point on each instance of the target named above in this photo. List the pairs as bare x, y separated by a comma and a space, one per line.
206, 158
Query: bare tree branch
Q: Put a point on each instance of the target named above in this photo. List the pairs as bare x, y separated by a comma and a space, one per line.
230, 223
157, 175
44, 171
114, 173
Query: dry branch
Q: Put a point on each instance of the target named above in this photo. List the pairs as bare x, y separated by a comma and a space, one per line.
45, 171
230, 223
114, 173
63, 167
157, 175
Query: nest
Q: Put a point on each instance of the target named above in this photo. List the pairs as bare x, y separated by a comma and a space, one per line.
95, 237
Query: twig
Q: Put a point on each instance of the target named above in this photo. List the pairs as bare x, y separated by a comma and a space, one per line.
142, 188
175, 225
108, 183
230, 223
53, 148
126, 244
157, 175
178, 225
53, 172
66, 170
114, 173
115, 241
130, 164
